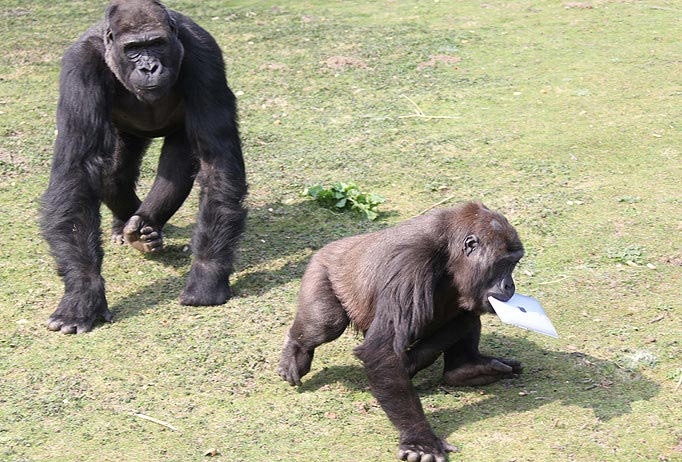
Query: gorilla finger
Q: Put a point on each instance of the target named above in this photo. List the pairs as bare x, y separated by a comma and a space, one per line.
292, 377
510, 362
413, 457
500, 366
68, 329
516, 365
427, 458
82, 328
402, 454
53, 324
150, 236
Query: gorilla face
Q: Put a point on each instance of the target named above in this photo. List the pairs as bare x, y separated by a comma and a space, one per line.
142, 48
490, 255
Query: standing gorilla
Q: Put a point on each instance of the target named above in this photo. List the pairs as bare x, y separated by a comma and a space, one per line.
415, 291
143, 72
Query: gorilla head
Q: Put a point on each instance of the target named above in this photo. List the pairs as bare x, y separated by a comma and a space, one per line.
142, 47
490, 250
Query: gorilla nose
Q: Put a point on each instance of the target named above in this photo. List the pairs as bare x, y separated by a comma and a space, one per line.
151, 68
508, 287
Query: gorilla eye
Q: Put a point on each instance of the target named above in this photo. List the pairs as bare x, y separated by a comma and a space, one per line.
132, 52
470, 244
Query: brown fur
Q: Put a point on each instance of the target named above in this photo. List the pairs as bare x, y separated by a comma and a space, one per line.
415, 291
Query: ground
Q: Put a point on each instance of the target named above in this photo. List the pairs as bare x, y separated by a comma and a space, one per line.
565, 116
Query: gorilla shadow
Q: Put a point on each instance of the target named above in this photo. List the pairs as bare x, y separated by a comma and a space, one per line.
148, 297
291, 233
274, 231
574, 379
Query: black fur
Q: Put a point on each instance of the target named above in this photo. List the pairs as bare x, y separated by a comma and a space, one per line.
143, 72
415, 291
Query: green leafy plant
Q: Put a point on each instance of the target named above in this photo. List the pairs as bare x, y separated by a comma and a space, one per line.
628, 254
346, 196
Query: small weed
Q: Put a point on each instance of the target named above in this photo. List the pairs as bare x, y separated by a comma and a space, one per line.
639, 358
675, 375
629, 254
347, 196
629, 199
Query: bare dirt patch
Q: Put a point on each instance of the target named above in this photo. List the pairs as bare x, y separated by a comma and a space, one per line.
343, 62
434, 60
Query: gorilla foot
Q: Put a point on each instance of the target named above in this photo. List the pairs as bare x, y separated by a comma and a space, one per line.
482, 372
295, 362
194, 298
75, 315
142, 236
205, 287
427, 451
117, 237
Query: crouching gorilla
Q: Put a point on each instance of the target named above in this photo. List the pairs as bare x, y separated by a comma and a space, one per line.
143, 72
415, 291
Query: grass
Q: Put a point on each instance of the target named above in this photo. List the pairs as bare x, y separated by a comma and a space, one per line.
564, 118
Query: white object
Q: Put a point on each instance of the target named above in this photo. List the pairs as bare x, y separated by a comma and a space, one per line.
525, 312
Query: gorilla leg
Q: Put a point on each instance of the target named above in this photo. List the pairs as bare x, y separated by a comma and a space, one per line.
390, 384
173, 183
465, 365
71, 225
320, 319
427, 350
221, 219
119, 181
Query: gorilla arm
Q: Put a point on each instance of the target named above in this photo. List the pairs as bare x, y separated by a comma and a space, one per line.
70, 206
404, 309
212, 131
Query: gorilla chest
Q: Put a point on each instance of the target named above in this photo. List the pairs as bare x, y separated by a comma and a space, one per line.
149, 120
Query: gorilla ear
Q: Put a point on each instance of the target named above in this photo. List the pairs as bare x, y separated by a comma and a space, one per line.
470, 244
173, 25
109, 36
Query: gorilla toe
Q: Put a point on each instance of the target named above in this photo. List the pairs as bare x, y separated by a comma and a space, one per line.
73, 325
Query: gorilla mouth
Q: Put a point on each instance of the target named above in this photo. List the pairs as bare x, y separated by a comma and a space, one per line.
150, 93
499, 296
488, 307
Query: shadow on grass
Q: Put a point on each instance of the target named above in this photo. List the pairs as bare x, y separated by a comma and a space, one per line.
573, 379
277, 244
280, 239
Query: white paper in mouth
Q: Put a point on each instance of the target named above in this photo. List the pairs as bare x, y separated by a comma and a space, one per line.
525, 312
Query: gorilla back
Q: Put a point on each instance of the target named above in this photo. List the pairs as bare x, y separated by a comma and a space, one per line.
143, 72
